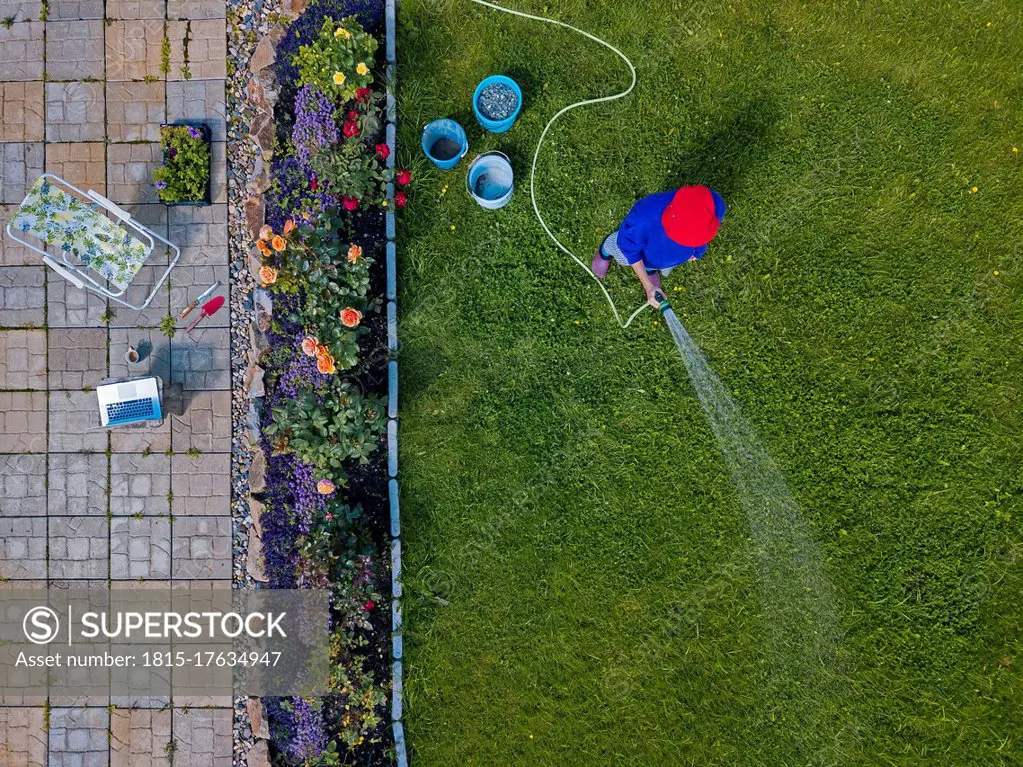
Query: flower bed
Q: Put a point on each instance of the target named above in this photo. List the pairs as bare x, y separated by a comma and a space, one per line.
323, 416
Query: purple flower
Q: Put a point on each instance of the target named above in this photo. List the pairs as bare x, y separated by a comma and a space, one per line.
172, 152
161, 184
194, 132
315, 126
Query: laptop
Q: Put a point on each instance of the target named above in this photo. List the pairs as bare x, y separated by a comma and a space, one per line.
129, 402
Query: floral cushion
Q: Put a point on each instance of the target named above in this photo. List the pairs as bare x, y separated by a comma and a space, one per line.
73, 225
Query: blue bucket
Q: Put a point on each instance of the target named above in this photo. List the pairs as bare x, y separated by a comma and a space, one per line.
444, 143
497, 126
490, 180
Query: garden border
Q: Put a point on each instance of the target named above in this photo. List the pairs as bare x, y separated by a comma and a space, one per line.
400, 749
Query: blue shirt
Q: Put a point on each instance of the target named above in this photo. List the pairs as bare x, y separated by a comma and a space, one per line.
641, 237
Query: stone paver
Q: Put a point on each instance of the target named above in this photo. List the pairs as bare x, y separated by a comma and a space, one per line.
205, 425
74, 111
201, 100
207, 50
78, 484
136, 293
22, 295
59, 10
140, 484
78, 357
22, 163
74, 50
82, 164
74, 423
21, 111
22, 359
22, 547
21, 51
68, 306
78, 737
190, 282
23, 485
23, 422
139, 738
202, 360
135, 111
154, 439
11, 253
135, 9
201, 233
201, 485
203, 737
196, 9
153, 348
140, 548
23, 736
218, 173
79, 547
201, 548
133, 49
21, 10
130, 169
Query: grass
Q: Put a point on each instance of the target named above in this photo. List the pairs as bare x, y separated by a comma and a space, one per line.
579, 582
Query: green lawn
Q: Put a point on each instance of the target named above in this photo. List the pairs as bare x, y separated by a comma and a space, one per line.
579, 583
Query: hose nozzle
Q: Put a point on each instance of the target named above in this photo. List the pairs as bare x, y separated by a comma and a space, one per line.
663, 302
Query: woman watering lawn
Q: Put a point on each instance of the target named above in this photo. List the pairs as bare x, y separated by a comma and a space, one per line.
661, 232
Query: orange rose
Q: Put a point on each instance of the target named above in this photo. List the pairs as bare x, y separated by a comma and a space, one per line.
267, 275
350, 317
322, 351
354, 254
262, 248
310, 346
265, 232
325, 487
289, 227
325, 364
278, 243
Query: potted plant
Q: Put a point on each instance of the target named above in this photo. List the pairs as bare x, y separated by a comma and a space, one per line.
184, 177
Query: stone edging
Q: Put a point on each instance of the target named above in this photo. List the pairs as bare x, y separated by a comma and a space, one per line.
400, 749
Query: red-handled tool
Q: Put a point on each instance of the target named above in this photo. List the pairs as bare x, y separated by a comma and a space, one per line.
210, 308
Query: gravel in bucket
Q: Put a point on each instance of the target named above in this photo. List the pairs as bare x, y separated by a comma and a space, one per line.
497, 102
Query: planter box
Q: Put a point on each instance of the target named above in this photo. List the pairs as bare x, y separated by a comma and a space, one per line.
207, 138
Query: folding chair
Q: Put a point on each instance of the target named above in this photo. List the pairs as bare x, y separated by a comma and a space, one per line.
63, 217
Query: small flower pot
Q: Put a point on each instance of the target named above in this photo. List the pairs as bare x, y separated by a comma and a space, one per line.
207, 138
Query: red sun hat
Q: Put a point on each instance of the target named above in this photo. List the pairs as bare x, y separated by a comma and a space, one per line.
690, 219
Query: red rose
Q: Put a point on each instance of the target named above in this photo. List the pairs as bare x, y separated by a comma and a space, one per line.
383, 151
404, 177
313, 184
363, 94
353, 115
369, 605
350, 129
399, 199
350, 203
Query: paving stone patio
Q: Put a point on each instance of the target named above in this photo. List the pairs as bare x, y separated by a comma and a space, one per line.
83, 94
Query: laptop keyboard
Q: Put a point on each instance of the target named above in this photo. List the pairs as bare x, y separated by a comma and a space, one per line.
130, 411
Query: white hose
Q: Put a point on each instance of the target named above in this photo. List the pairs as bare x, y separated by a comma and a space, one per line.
536, 154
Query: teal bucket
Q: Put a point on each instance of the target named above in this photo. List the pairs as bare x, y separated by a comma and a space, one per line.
497, 126
444, 143
490, 180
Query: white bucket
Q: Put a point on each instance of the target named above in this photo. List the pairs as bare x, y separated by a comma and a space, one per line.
490, 180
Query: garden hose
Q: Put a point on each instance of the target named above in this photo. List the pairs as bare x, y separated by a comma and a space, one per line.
539, 145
